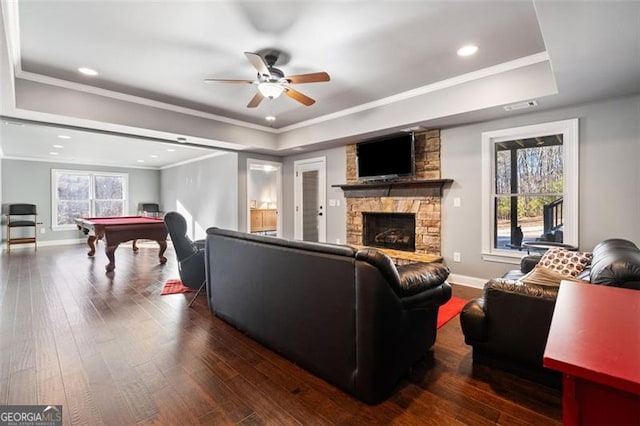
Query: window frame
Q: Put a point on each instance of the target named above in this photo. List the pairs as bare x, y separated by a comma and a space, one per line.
570, 152
92, 174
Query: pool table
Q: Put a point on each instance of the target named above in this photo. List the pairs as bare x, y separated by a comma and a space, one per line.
116, 230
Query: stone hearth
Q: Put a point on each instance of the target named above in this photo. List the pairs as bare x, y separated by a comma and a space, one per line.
425, 208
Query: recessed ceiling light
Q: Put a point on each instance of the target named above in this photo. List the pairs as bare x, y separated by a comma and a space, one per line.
270, 118
467, 50
88, 71
53, 153
153, 156
58, 146
64, 137
140, 161
171, 150
182, 139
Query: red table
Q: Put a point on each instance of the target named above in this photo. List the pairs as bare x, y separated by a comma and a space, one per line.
594, 341
116, 230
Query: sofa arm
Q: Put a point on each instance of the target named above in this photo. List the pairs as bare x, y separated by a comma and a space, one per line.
505, 302
430, 298
528, 262
518, 318
518, 288
473, 321
415, 278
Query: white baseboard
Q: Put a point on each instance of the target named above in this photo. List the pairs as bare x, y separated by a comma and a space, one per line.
73, 241
48, 244
467, 281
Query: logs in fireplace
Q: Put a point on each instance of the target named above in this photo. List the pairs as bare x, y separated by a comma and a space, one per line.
390, 230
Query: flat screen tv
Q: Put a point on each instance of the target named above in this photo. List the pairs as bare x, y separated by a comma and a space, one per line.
386, 158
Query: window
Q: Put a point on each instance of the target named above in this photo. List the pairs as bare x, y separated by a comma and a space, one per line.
530, 188
77, 193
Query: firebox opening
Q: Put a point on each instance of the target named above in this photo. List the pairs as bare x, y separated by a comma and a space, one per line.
390, 230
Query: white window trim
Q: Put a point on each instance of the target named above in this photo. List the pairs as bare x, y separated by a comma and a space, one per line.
569, 130
92, 174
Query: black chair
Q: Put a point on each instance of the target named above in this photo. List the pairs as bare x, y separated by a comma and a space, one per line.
151, 209
190, 257
22, 216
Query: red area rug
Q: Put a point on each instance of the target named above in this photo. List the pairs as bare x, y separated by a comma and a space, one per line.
449, 310
174, 286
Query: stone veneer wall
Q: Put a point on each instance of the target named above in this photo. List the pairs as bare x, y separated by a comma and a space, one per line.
426, 209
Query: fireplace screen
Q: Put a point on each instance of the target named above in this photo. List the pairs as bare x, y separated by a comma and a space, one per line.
390, 230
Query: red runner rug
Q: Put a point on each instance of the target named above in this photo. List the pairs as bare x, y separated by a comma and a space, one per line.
174, 286
449, 310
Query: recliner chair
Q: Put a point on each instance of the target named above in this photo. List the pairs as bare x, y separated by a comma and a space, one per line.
190, 257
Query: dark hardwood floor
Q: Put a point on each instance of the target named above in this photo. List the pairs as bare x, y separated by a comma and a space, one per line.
111, 350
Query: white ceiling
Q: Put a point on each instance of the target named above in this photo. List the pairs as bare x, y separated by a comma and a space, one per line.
379, 54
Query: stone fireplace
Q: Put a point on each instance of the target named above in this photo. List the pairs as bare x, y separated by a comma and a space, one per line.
389, 230
423, 203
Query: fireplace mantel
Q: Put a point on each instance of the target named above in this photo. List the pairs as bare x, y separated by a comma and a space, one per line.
409, 188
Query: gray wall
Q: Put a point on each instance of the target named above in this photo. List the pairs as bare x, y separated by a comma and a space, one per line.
30, 182
263, 187
336, 163
205, 192
609, 196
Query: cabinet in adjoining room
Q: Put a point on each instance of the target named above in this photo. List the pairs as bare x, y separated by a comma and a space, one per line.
263, 220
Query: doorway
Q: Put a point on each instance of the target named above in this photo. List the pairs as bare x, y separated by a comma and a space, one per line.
310, 193
264, 197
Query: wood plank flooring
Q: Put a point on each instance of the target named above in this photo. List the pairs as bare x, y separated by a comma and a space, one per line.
111, 350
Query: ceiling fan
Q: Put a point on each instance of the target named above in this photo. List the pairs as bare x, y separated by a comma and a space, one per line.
272, 82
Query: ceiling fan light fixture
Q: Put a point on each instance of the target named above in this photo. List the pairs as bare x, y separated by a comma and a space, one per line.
270, 90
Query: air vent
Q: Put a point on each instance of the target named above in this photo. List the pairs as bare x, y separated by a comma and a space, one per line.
521, 105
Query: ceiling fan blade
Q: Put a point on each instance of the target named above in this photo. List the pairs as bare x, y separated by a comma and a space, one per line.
315, 77
258, 62
255, 101
294, 94
222, 80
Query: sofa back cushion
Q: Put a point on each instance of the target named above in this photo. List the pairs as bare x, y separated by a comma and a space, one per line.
616, 262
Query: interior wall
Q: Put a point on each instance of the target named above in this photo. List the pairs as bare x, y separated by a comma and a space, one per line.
205, 192
30, 182
609, 198
263, 188
336, 210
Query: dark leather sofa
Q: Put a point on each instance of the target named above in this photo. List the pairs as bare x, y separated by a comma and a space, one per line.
509, 324
349, 316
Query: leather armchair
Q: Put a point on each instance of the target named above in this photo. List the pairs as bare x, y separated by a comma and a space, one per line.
509, 324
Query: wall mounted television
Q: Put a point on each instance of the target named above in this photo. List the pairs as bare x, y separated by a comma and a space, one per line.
386, 158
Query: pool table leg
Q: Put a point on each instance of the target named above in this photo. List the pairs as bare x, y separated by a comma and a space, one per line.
92, 245
163, 248
135, 246
110, 251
